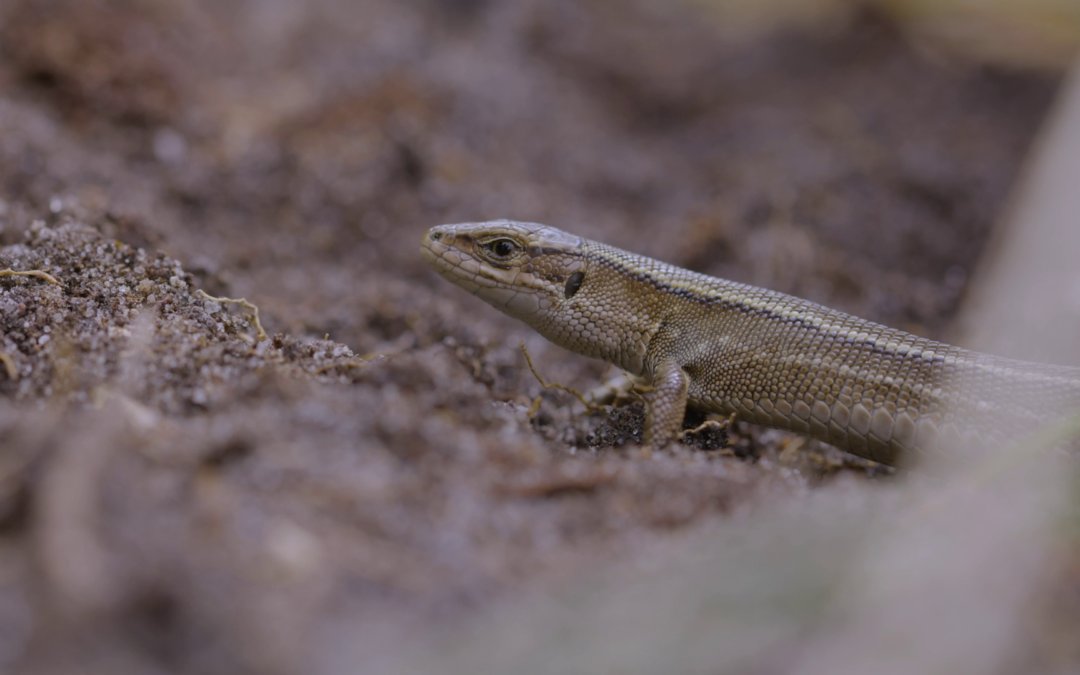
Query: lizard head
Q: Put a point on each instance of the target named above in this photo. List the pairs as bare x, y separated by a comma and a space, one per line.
524, 269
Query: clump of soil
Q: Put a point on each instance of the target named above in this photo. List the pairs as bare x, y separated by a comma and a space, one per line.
290, 467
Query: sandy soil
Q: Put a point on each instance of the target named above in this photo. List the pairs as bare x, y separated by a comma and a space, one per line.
178, 494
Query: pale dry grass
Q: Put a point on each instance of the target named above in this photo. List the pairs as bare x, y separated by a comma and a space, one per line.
1028, 33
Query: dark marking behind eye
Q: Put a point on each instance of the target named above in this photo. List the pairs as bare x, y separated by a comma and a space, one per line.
573, 284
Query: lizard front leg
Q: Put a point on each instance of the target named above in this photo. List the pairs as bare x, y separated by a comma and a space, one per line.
667, 404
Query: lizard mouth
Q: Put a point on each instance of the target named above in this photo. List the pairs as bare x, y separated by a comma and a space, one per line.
508, 289
443, 253
432, 248
439, 250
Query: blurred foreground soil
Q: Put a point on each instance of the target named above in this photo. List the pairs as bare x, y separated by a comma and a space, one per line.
179, 495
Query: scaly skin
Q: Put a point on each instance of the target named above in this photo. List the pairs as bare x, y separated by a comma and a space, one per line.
768, 357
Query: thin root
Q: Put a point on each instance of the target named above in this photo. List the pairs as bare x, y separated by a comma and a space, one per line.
354, 363
9, 364
710, 424
243, 303
32, 273
638, 390
534, 408
554, 385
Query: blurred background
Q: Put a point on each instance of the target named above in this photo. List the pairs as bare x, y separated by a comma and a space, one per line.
367, 491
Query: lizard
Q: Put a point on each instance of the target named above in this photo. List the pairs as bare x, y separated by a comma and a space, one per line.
732, 348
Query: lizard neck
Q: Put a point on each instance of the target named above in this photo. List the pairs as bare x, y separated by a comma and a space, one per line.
621, 305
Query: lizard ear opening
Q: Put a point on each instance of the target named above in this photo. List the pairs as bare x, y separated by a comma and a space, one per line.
573, 284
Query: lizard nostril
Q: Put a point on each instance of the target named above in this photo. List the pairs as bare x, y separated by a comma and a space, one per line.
436, 236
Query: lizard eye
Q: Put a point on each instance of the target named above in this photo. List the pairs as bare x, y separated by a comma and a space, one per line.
502, 248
